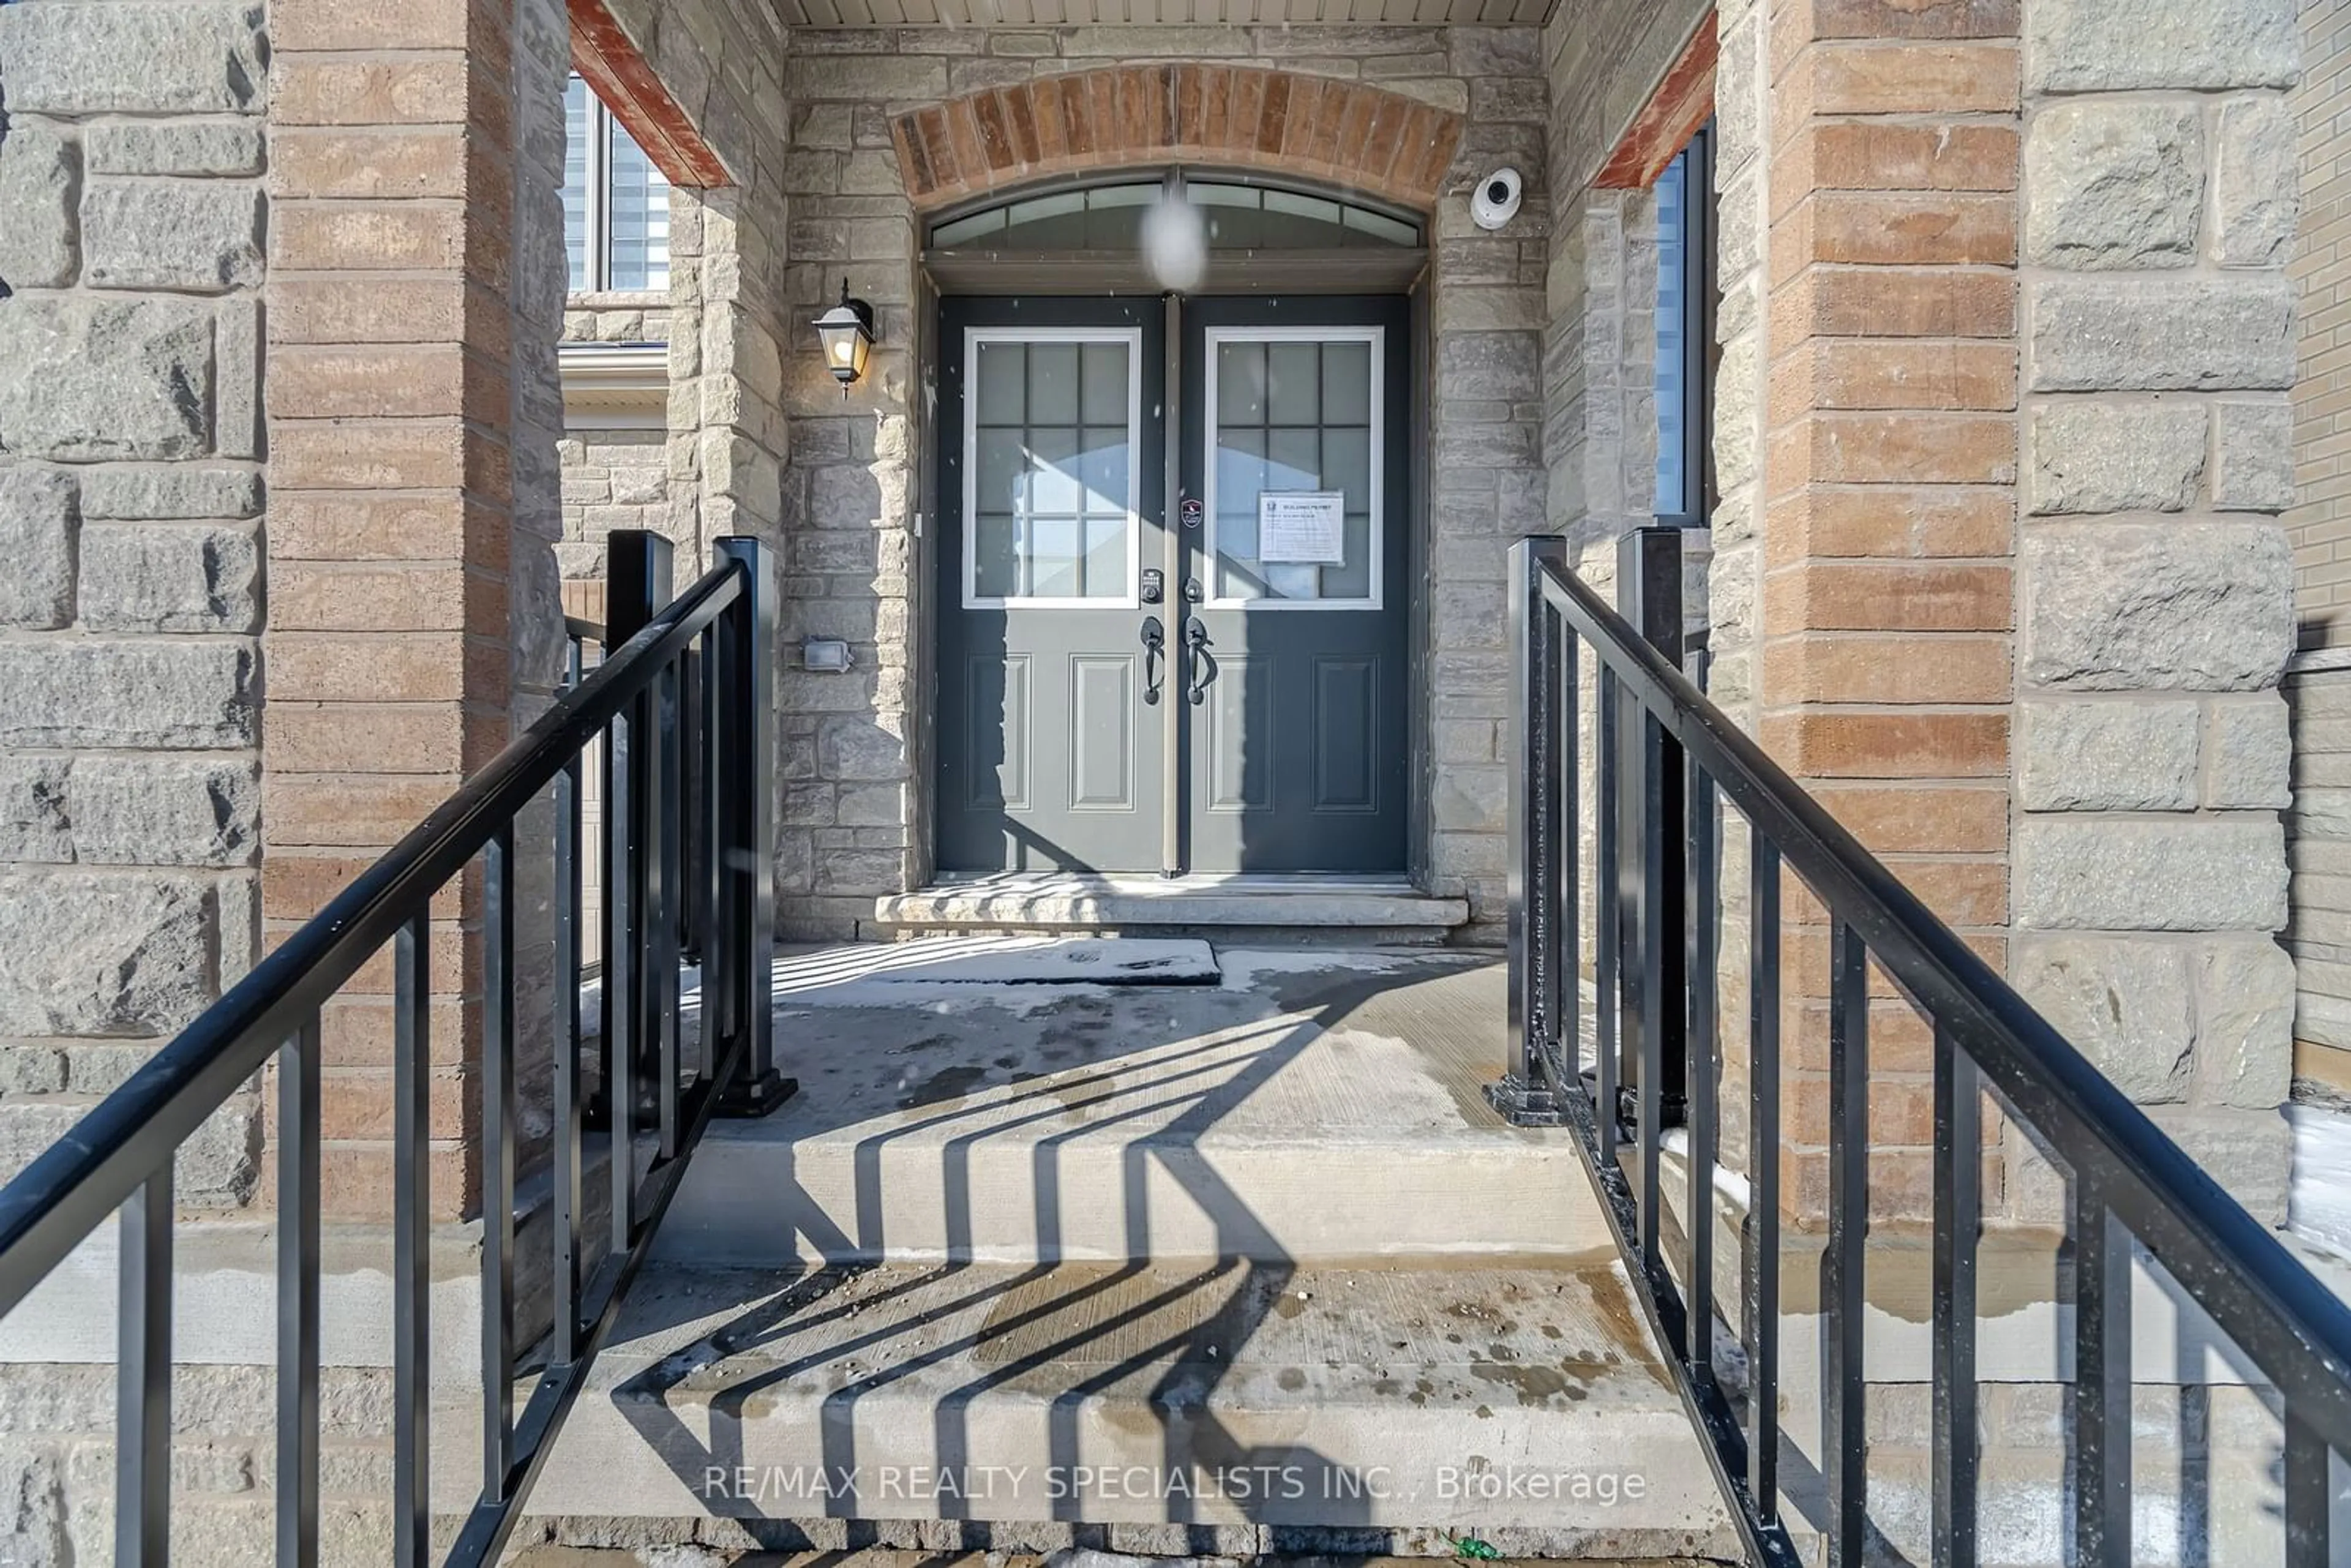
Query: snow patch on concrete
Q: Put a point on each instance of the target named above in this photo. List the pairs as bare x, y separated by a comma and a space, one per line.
2318, 1202
1243, 967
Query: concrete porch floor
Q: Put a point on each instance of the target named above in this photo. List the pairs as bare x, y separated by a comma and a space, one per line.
1310, 1105
1244, 1266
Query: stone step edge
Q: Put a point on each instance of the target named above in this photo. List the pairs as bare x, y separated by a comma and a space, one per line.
1401, 909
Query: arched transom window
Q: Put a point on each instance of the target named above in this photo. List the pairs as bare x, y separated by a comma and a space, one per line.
1239, 214
1079, 238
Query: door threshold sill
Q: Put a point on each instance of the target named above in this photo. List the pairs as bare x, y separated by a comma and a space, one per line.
1387, 908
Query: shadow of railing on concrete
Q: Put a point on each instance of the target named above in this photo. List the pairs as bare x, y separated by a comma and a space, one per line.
1249, 1272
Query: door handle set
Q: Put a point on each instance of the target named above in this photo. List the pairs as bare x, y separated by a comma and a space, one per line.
1155, 656
1204, 666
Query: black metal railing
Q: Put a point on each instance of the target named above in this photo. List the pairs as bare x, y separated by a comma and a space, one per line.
119, 1157
580, 635
1664, 758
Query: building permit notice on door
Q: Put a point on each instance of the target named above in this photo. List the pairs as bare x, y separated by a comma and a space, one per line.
1301, 528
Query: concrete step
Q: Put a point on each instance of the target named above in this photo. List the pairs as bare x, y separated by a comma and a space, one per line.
1314, 1105
1255, 1405
1237, 908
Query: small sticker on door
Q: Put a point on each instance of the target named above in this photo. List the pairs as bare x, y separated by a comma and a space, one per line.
1192, 511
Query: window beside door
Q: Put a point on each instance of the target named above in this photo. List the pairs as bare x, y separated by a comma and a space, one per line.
615, 202
1685, 335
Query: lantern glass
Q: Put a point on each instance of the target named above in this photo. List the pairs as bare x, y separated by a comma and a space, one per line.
846, 332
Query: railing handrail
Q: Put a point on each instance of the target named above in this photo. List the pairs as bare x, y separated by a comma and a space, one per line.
71, 1187
2164, 1196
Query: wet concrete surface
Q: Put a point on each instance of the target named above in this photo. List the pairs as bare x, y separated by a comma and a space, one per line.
1250, 1256
1313, 1103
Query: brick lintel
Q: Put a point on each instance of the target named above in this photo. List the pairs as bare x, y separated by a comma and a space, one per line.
1243, 116
609, 60
1683, 102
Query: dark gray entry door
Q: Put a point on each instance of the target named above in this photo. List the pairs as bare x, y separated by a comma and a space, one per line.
1222, 691
1294, 412
1051, 485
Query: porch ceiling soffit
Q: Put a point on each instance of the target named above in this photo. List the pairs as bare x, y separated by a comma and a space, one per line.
1240, 116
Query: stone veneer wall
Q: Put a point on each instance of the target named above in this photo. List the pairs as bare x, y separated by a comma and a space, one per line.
1600, 431
615, 469
1883, 616
732, 322
1733, 589
612, 479
1604, 64
1868, 164
416, 295
2318, 688
2156, 586
131, 230
856, 479
638, 316
133, 222
851, 761
413, 301
413, 294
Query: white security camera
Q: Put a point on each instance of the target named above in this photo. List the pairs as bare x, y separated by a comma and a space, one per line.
1495, 202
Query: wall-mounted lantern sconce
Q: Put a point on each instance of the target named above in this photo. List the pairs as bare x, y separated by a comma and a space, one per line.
847, 333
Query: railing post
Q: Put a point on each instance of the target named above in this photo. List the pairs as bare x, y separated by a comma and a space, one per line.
746, 847
694, 826
637, 584
1649, 595
1540, 970
142, 1422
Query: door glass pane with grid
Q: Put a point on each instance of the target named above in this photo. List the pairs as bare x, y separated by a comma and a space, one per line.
1051, 435
1294, 415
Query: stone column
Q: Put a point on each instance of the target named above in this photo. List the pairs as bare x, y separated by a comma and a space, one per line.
414, 305
1888, 484
130, 250
852, 488
2159, 200
1488, 479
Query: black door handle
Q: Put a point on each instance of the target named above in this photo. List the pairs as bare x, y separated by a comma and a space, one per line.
1204, 666
1154, 653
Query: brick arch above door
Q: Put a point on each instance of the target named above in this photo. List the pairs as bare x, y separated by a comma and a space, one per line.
1366, 138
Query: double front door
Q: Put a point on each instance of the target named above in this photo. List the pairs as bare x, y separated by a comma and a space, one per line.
1205, 675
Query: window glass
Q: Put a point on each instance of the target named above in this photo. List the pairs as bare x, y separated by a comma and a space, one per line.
970, 230
1295, 419
1238, 217
1673, 316
615, 202
577, 130
1684, 316
640, 216
1049, 440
